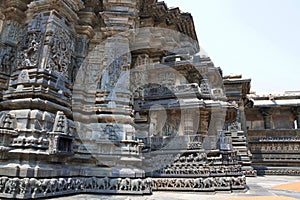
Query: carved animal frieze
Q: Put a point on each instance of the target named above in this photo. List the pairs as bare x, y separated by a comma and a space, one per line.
32, 187
192, 184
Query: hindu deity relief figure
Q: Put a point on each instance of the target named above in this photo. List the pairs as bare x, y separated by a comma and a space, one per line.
7, 61
61, 49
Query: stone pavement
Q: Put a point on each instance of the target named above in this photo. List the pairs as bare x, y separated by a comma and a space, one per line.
260, 188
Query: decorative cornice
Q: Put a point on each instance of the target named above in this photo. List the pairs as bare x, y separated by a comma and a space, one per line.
14, 10
85, 30
266, 111
296, 111
66, 8
168, 18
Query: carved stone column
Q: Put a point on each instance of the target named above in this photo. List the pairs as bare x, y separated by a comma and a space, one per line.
216, 124
204, 122
267, 116
114, 96
85, 32
296, 112
2, 17
189, 122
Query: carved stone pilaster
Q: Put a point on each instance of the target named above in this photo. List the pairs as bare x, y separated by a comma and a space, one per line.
113, 92
204, 122
217, 120
190, 123
2, 17
85, 32
12, 18
216, 124
296, 112
267, 116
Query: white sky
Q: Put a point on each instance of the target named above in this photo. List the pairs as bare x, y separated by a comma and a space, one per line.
259, 39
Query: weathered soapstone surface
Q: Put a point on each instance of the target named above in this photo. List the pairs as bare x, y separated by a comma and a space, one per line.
110, 97
273, 132
237, 89
260, 186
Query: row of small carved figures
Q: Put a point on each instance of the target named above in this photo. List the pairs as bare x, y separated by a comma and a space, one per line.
31, 142
200, 183
281, 172
199, 157
277, 139
195, 145
201, 170
25, 186
250, 173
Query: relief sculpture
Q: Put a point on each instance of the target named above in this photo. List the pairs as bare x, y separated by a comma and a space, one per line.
61, 49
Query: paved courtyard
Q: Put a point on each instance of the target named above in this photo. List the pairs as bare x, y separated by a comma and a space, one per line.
260, 188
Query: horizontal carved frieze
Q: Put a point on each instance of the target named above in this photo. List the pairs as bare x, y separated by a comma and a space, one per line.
199, 184
27, 188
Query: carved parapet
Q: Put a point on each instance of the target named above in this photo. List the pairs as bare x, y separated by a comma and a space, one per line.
28, 188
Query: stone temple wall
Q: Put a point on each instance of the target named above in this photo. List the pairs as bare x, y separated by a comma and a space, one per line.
111, 96
273, 127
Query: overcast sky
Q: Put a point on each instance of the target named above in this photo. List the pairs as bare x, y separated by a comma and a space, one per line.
259, 39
